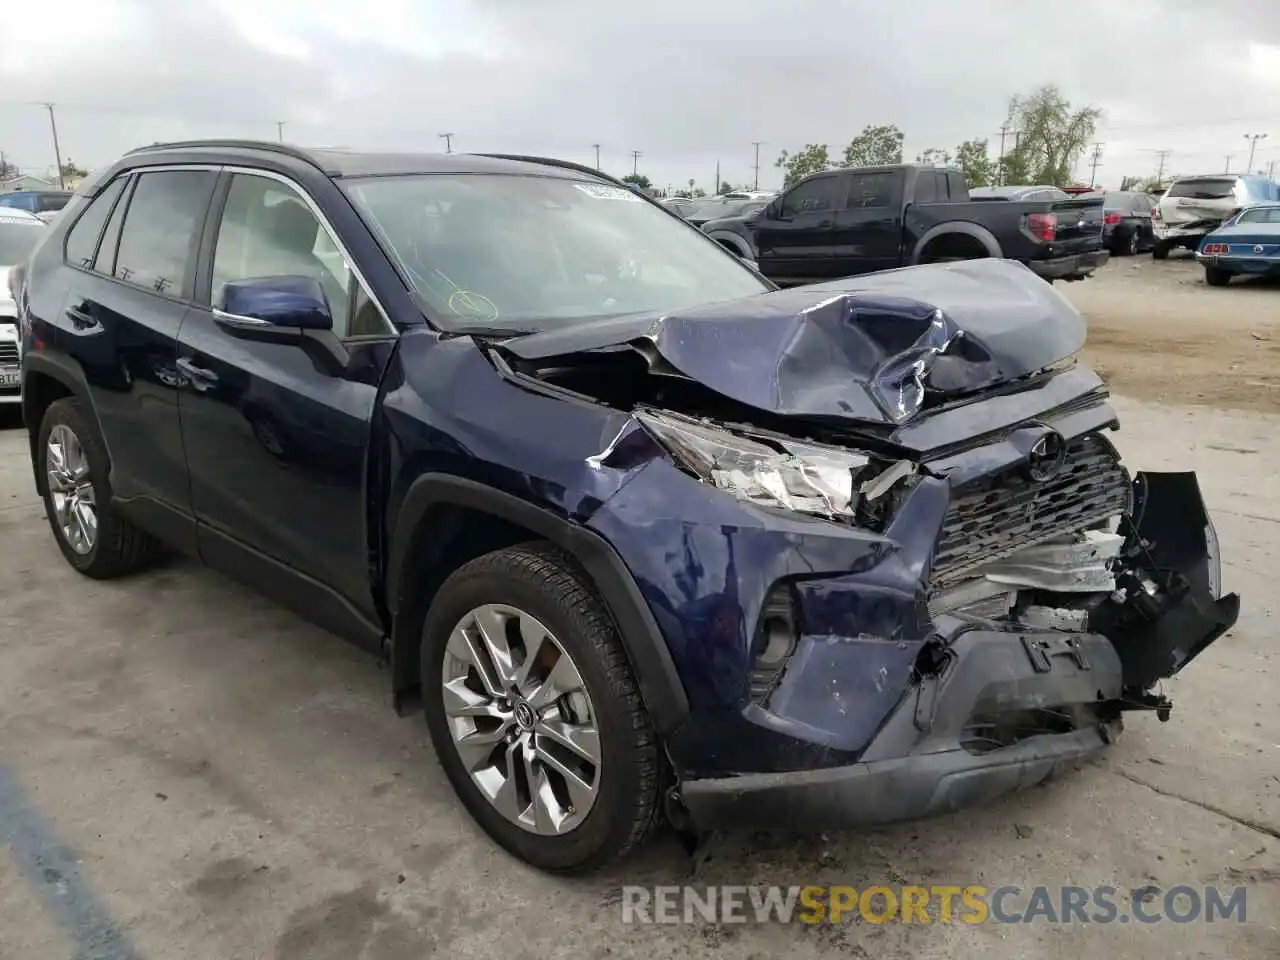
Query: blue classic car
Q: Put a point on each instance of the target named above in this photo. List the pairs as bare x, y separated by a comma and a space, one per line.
1247, 243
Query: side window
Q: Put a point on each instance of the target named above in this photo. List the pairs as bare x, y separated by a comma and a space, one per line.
268, 230
105, 261
82, 238
868, 190
926, 187
812, 196
162, 229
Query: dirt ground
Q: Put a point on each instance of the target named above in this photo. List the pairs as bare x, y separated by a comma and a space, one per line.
1157, 331
188, 771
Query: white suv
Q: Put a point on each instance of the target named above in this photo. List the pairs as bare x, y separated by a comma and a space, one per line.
1193, 206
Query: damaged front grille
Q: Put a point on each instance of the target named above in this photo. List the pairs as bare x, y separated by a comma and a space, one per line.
991, 518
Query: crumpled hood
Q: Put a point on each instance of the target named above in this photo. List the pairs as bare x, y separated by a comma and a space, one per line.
870, 348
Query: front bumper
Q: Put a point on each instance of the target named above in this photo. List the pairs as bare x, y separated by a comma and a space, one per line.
932, 754
1074, 267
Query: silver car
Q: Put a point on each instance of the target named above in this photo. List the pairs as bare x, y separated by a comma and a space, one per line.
19, 233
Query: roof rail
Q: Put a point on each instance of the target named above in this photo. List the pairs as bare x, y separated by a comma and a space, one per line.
296, 153
551, 162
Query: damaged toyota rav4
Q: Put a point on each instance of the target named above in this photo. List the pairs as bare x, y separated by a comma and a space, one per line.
643, 537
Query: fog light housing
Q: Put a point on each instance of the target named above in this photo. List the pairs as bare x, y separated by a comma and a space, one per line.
773, 644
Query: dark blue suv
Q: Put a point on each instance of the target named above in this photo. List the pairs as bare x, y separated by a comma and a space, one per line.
644, 537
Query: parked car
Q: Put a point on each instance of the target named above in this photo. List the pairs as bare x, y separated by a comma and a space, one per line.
36, 201
679, 205
1193, 206
1126, 222
1247, 244
856, 220
718, 208
1018, 192
644, 537
19, 233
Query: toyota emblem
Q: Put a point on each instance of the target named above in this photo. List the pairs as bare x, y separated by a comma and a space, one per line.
1258, 248
1047, 457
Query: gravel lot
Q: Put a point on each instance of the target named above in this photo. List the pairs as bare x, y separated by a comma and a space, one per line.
188, 771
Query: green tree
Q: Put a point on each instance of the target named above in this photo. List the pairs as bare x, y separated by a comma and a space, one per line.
1052, 135
875, 145
1130, 183
934, 157
725, 187
69, 169
639, 179
972, 157
796, 166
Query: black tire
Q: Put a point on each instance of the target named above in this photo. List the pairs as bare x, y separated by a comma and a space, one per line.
544, 581
1131, 247
119, 548
1160, 250
1216, 277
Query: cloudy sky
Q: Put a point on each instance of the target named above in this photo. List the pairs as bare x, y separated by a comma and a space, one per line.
687, 82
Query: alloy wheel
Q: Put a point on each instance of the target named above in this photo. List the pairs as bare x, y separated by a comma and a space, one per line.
521, 719
75, 504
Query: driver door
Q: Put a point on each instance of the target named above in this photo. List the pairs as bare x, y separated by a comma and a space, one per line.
796, 240
275, 428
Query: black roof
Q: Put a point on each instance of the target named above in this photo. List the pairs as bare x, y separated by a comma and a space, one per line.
338, 163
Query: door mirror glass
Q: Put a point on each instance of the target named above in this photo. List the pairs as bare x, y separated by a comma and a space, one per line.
283, 301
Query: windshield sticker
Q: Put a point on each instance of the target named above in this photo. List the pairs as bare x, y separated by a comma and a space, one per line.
599, 191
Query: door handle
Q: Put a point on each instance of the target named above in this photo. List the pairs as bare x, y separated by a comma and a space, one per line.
200, 378
81, 319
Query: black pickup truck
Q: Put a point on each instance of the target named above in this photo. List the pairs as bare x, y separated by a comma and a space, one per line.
855, 220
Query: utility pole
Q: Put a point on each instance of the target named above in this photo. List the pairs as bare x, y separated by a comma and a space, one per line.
1005, 130
596, 147
1096, 159
1253, 139
1228, 169
635, 162
280, 130
448, 141
755, 185
57, 151
1271, 170
717, 190
1163, 155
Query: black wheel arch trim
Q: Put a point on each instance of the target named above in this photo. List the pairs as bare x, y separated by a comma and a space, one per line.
646, 649
67, 372
973, 230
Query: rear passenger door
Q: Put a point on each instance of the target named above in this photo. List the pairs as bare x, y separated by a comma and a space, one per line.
276, 428
868, 228
133, 255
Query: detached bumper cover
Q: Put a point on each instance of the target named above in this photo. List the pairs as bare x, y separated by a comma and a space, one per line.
1077, 265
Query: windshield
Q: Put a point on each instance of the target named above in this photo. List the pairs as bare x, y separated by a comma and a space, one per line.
535, 253
1203, 189
1260, 215
17, 239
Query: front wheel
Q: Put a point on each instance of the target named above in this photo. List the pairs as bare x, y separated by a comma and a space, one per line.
534, 712
1216, 276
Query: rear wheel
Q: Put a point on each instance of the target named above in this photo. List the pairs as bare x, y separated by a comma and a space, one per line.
1160, 250
1216, 276
73, 472
1131, 247
534, 711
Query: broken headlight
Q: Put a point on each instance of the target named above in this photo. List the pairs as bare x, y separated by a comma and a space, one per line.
773, 472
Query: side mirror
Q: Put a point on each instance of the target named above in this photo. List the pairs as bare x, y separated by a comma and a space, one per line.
284, 303
774, 210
